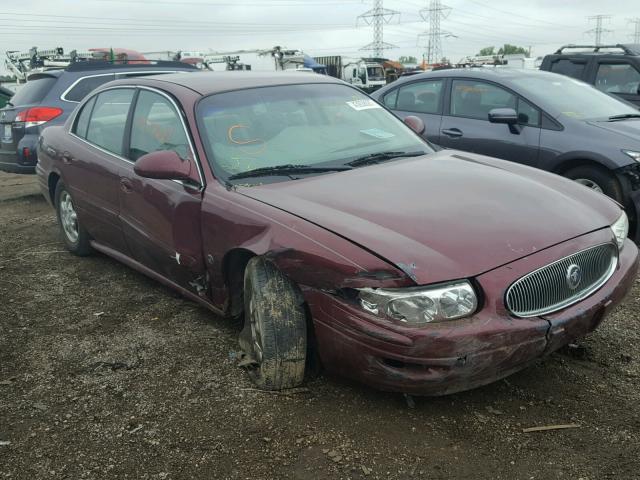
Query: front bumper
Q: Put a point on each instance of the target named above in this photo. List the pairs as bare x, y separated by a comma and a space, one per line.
450, 357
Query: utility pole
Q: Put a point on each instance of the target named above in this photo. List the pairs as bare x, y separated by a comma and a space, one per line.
636, 33
431, 40
377, 17
598, 30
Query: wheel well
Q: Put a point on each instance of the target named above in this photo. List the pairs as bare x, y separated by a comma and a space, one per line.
233, 267
567, 165
53, 182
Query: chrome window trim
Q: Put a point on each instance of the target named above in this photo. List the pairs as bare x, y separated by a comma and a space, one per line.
572, 300
63, 96
196, 159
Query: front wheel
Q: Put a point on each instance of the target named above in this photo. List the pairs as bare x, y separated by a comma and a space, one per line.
597, 179
74, 235
274, 336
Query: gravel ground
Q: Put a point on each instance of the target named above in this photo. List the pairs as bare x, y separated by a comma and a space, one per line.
107, 374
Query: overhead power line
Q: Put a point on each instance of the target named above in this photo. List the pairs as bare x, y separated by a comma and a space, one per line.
599, 30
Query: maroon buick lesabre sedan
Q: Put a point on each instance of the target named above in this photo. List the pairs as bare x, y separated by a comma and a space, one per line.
294, 202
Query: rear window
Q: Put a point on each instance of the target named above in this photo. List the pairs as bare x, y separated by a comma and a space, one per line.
33, 91
568, 67
85, 86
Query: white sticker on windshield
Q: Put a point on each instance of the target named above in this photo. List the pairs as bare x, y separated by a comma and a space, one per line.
377, 133
364, 104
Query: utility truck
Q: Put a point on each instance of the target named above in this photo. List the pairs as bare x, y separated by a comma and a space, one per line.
365, 73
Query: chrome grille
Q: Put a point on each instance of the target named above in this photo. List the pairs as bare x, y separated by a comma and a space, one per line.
562, 283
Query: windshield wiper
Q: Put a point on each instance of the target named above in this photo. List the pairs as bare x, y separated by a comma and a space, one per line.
286, 170
381, 157
624, 116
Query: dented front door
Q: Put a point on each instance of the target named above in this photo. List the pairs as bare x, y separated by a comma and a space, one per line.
161, 218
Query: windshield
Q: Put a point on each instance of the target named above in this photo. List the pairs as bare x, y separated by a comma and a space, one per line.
573, 98
375, 73
310, 125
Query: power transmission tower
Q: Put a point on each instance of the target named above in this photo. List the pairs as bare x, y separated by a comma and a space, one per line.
431, 40
599, 29
636, 33
377, 17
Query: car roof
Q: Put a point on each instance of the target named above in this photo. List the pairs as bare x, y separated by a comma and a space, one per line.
208, 83
487, 73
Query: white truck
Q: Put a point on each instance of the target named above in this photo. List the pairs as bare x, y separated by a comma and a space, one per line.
275, 59
364, 73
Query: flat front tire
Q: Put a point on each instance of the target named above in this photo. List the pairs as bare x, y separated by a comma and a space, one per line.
75, 237
274, 335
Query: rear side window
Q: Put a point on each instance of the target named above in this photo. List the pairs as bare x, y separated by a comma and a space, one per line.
618, 78
420, 97
85, 86
109, 118
156, 126
83, 119
567, 67
33, 91
475, 99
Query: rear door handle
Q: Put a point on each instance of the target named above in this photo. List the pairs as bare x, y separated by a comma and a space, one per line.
125, 185
452, 132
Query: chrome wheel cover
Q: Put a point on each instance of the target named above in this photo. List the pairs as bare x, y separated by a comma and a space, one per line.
589, 184
68, 217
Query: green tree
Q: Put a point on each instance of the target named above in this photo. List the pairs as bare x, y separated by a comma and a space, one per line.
487, 51
410, 59
508, 49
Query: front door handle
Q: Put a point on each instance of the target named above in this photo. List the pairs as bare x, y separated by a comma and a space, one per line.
125, 185
452, 132
67, 157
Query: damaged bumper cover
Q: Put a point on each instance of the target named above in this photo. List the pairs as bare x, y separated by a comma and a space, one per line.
453, 356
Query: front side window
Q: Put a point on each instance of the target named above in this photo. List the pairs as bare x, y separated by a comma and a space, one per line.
82, 121
156, 126
474, 99
311, 125
527, 113
420, 97
108, 121
85, 86
618, 78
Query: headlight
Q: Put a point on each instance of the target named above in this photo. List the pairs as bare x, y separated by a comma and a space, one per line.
620, 229
633, 154
417, 306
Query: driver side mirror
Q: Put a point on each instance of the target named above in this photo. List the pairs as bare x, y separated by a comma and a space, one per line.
507, 116
163, 165
415, 123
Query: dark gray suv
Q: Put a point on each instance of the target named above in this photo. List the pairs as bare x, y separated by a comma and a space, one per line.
49, 97
540, 119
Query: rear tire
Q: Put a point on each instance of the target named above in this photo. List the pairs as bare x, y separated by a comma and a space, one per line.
275, 331
597, 179
75, 237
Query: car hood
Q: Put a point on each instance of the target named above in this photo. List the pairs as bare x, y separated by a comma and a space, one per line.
447, 215
629, 128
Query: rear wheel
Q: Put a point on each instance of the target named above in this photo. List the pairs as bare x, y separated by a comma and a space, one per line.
597, 179
274, 336
74, 235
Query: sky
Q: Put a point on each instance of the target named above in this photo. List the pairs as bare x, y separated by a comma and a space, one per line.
318, 27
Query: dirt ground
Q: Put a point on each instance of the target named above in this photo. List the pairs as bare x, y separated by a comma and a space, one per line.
106, 374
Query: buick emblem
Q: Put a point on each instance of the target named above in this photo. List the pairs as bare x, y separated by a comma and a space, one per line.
574, 276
